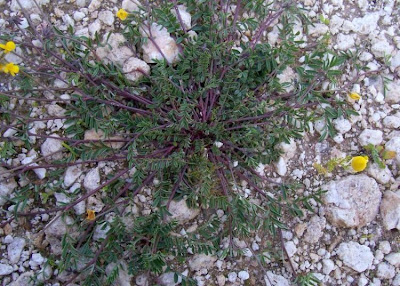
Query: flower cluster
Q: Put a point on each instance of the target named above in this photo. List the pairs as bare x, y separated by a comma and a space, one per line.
10, 67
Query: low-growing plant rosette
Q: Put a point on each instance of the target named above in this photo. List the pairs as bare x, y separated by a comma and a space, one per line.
204, 114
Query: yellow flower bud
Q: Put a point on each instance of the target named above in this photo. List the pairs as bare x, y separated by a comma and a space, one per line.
354, 95
122, 14
359, 163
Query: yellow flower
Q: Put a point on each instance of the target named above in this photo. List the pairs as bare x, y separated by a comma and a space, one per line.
10, 68
8, 47
359, 163
122, 14
354, 95
90, 214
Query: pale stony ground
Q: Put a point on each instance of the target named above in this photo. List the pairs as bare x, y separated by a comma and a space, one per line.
352, 239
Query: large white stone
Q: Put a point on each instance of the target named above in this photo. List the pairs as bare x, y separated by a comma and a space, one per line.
51, 145
185, 16
200, 261
15, 248
181, 212
369, 136
390, 210
159, 44
381, 175
352, 201
366, 24
272, 279
92, 179
29, 5
5, 269
130, 5
356, 256
135, 68
72, 174
393, 92
385, 271
393, 258
345, 42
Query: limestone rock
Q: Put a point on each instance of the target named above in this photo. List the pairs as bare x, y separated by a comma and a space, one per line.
6, 186
390, 210
135, 68
181, 212
123, 278
52, 145
72, 174
369, 136
200, 261
394, 145
92, 179
393, 92
381, 175
15, 248
394, 259
352, 201
315, 228
356, 256
385, 271
272, 279
163, 40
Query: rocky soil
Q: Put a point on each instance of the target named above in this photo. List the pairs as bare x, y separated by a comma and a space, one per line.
353, 236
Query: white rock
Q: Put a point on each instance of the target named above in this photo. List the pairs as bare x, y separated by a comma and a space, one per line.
381, 48
318, 30
232, 276
24, 279
78, 16
36, 259
107, 17
167, 279
29, 5
383, 176
394, 145
243, 275
181, 212
290, 248
352, 201
9, 132
163, 40
367, 24
281, 167
345, 42
72, 174
100, 232
92, 179
185, 16
5, 269
392, 121
390, 210
123, 278
15, 248
199, 261
94, 28
315, 229
221, 280
356, 256
289, 150
342, 125
59, 227
50, 146
6, 186
135, 68
130, 5
68, 20
272, 279
396, 280
369, 136
385, 271
287, 76
328, 266
94, 5
393, 259
385, 247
